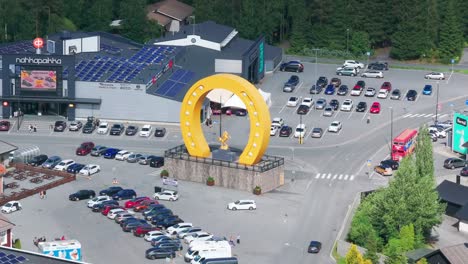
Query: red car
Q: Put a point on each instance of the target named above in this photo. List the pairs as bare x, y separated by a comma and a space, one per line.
375, 108
386, 86
144, 205
107, 208
4, 125
85, 148
141, 231
134, 202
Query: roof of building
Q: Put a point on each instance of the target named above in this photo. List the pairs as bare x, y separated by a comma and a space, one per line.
417, 254
6, 147
207, 30
457, 254
29, 257
5, 223
453, 193
462, 214
168, 10
161, 19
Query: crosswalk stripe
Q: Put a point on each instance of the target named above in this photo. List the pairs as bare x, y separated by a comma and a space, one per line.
351, 178
346, 177
341, 175
407, 115
329, 176
317, 176
428, 115
442, 116
420, 115
334, 177
323, 175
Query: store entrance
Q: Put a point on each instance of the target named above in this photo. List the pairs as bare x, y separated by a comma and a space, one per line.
30, 108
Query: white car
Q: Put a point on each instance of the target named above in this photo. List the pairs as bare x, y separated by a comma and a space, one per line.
198, 236
328, 111
146, 131
113, 213
372, 74
370, 92
175, 229
383, 93
300, 131
154, 234
98, 200
335, 126
11, 206
273, 130
440, 133
242, 205
103, 128
353, 63
167, 195
64, 164
292, 102
435, 76
277, 121
309, 102
123, 155
347, 105
90, 169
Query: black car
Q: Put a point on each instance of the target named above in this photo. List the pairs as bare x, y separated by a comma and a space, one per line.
361, 107
111, 191
124, 194
396, 94
452, 163
343, 90
130, 225
38, 160
464, 171
285, 131
98, 207
172, 245
160, 132
153, 207
89, 128
169, 221
60, 126
81, 195
160, 217
291, 83
131, 130
75, 168
336, 82
411, 95
314, 247
116, 129
322, 81
379, 66
159, 253
390, 163
155, 211
316, 89
335, 104
303, 110
292, 66
156, 162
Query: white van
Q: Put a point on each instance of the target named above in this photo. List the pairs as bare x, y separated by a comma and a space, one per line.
220, 252
208, 248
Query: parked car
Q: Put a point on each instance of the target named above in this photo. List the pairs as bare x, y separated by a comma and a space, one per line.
144, 205
383, 94
125, 194
361, 107
335, 127
132, 225
90, 169
335, 104
383, 170
146, 131
278, 122
63, 165
106, 207
390, 163
330, 90
199, 236
292, 101
317, 132
142, 230
308, 101
11, 207
4, 125
411, 95
464, 171
123, 155
292, 66
111, 191
291, 84
81, 195
346, 71
452, 163
285, 131
167, 195
335, 81
98, 200
386, 86
343, 90
89, 128
322, 81
51, 162
60, 126
157, 162
396, 94
134, 158
375, 108
314, 247
188, 231
353, 63
112, 214
38, 160
75, 168
242, 205
98, 151
75, 126
145, 159
372, 74
379, 66
85, 148
174, 230
328, 111
435, 76
131, 130
320, 104
370, 92
134, 202
103, 128
161, 131
303, 110
427, 90
347, 105
155, 234
315, 89
300, 131
117, 129
159, 253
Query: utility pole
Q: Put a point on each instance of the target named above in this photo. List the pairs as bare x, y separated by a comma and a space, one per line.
220, 116
391, 129
437, 103
316, 55
347, 40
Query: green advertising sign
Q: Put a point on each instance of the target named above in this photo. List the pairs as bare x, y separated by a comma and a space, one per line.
460, 133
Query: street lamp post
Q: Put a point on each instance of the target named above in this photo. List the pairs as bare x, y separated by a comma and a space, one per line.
437, 104
316, 55
347, 40
300, 134
391, 128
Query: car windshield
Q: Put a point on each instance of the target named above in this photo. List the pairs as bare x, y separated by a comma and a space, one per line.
299, 129
145, 129
103, 126
8, 205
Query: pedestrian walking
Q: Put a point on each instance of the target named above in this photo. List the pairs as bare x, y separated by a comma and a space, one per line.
231, 241
62, 238
44, 193
238, 239
41, 195
30, 128
51, 127
35, 128
35, 241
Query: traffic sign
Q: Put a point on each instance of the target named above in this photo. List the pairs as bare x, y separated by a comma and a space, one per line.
466, 102
368, 53
452, 61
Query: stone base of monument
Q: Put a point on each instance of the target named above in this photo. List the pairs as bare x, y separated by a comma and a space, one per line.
268, 174
224, 155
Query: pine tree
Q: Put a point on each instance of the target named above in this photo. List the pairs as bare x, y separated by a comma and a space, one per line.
248, 25
423, 153
354, 256
134, 23
299, 34
451, 34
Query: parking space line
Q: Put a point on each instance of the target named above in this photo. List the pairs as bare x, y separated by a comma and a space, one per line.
308, 135
341, 175
323, 135
284, 106
350, 114
298, 87
365, 114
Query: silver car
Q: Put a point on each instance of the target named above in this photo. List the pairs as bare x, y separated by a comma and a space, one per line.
372, 74
328, 111
321, 103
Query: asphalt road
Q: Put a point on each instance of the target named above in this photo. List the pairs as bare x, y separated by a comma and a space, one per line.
323, 176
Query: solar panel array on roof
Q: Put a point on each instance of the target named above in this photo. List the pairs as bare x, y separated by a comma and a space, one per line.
177, 81
18, 48
11, 258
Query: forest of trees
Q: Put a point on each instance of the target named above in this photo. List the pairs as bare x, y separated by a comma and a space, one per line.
415, 29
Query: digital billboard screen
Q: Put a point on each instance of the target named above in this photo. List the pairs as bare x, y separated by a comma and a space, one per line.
38, 80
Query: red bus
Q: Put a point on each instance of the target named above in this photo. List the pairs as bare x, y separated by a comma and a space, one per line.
404, 144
